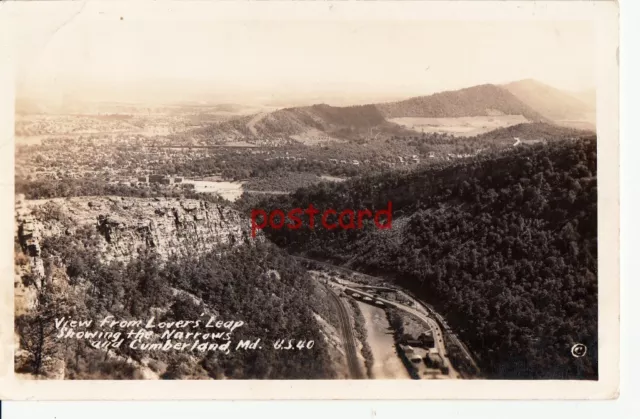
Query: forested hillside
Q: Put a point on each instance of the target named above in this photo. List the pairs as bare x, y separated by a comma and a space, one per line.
321, 121
255, 283
505, 246
529, 133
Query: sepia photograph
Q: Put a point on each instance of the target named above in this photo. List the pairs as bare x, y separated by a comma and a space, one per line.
232, 196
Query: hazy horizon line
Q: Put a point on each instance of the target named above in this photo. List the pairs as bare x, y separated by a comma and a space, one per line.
258, 98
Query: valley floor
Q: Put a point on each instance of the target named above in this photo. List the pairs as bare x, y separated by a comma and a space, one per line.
386, 363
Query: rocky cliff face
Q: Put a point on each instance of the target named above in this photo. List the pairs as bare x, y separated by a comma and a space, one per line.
63, 279
129, 226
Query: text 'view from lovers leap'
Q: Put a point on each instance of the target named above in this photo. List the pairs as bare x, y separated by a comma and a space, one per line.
307, 199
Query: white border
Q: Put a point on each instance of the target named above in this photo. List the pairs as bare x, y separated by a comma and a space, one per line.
603, 13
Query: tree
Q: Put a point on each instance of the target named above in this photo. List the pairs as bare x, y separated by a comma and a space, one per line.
37, 328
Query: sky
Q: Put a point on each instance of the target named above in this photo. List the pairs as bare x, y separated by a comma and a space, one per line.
85, 55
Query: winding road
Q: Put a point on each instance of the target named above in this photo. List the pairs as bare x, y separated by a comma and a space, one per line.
433, 324
251, 125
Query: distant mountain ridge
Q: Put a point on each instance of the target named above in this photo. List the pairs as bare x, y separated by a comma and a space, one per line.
533, 100
552, 103
483, 100
325, 117
308, 124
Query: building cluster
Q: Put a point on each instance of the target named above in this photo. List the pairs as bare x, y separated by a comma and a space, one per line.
82, 159
434, 360
160, 179
352, 162
68, 124
424, 340
451, 156
408, 160
421, 357
123, 125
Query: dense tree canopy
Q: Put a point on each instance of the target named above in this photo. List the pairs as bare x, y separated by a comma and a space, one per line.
504, 245
255, 283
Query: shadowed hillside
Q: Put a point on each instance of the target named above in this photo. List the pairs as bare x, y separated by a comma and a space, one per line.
505, 246
309, 124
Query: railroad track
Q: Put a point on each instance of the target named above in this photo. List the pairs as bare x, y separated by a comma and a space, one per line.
453, 337
347, 337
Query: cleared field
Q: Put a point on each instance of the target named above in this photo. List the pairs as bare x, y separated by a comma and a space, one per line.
313, 137
266, 192
228, 190
332, 178
460, 127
